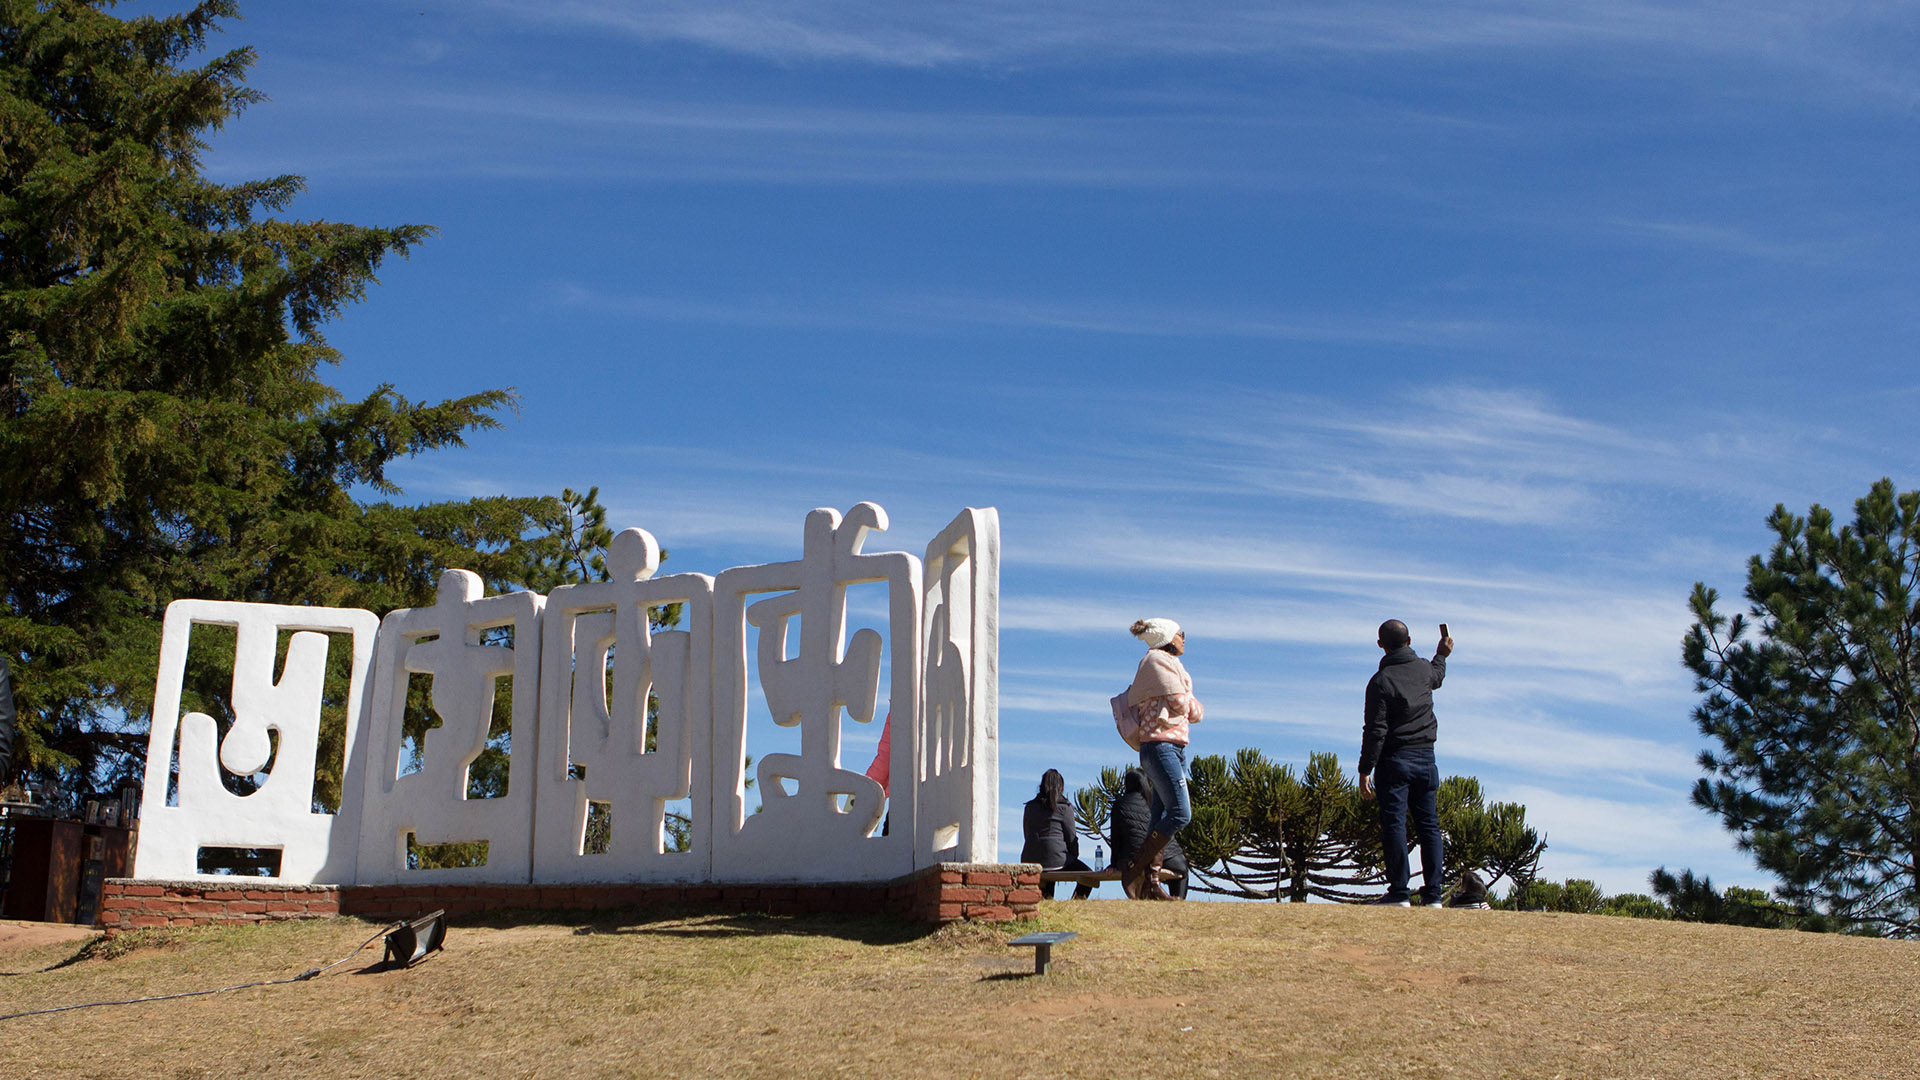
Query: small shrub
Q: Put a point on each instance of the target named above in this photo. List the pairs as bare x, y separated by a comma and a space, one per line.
1636, 906
118, 945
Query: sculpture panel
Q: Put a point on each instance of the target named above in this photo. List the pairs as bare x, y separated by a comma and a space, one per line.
959, 746
594, 722
825, 829
275, 728
451, 644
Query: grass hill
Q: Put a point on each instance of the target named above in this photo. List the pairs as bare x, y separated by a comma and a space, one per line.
1149, 990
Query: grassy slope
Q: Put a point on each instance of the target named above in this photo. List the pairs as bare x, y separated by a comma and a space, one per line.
1177, 990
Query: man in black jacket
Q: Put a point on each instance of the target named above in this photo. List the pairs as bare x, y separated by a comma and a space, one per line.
1396, 757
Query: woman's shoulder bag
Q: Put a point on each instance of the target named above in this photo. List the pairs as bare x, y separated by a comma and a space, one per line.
1126, 719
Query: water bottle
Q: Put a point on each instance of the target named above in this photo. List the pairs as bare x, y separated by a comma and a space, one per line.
1099, 859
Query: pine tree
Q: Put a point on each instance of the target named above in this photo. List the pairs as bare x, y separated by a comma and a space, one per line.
165, 427
1816, 710
1694, 899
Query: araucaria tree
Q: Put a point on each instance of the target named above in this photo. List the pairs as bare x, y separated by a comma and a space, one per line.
1813, 698
165, 430
1261, 831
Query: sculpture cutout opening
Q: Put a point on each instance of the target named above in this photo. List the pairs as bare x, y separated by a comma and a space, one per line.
238, 862
502, 739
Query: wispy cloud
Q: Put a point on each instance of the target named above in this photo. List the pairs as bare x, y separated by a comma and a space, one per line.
941, 313
1853, 51
784, 311
1501, 456
494, 124
1593, 828
1535, 745
461, 118
1623, 655
1726, 239
1160, 320
1509, 457
1005, 31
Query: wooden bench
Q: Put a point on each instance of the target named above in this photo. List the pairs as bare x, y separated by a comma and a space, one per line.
1095, 877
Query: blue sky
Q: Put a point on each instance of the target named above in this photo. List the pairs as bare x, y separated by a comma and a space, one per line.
1278, 320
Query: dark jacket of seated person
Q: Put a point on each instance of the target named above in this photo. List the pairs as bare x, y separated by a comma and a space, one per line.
1127, 825
1050, 837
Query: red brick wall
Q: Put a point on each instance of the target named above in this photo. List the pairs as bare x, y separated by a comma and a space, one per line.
942, 893
986, 892
126, 904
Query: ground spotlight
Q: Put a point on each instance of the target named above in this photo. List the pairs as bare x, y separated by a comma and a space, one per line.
410, 942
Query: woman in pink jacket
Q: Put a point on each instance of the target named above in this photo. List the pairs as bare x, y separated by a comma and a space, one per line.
1162, 698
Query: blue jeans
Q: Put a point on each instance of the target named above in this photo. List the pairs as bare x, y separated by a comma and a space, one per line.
1404, 785
1165, 765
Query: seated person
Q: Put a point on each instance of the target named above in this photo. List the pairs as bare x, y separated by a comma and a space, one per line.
1051, 839
1470, 893
1127, 826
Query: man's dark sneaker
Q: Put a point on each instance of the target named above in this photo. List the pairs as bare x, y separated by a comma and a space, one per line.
1384, 902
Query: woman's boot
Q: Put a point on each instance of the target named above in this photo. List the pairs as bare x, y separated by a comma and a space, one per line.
1133, 877
1152, 888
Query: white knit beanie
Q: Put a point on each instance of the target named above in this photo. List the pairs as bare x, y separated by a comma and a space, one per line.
1158, 632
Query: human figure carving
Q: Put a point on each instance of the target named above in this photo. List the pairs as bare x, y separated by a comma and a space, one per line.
597, 726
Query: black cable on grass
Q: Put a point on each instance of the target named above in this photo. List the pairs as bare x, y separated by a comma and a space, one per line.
311, 973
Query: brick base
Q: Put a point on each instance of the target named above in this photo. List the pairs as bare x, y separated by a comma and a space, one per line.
944, 892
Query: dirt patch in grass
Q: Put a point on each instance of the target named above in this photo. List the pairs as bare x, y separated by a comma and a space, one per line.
16, 936
31, 948
1192, 990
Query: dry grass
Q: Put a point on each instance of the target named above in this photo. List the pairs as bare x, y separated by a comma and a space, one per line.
1178, 990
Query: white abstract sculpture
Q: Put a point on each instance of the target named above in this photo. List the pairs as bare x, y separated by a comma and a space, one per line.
583, 665
279, 813
825, 829
593, 737
957, 771
444, 642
